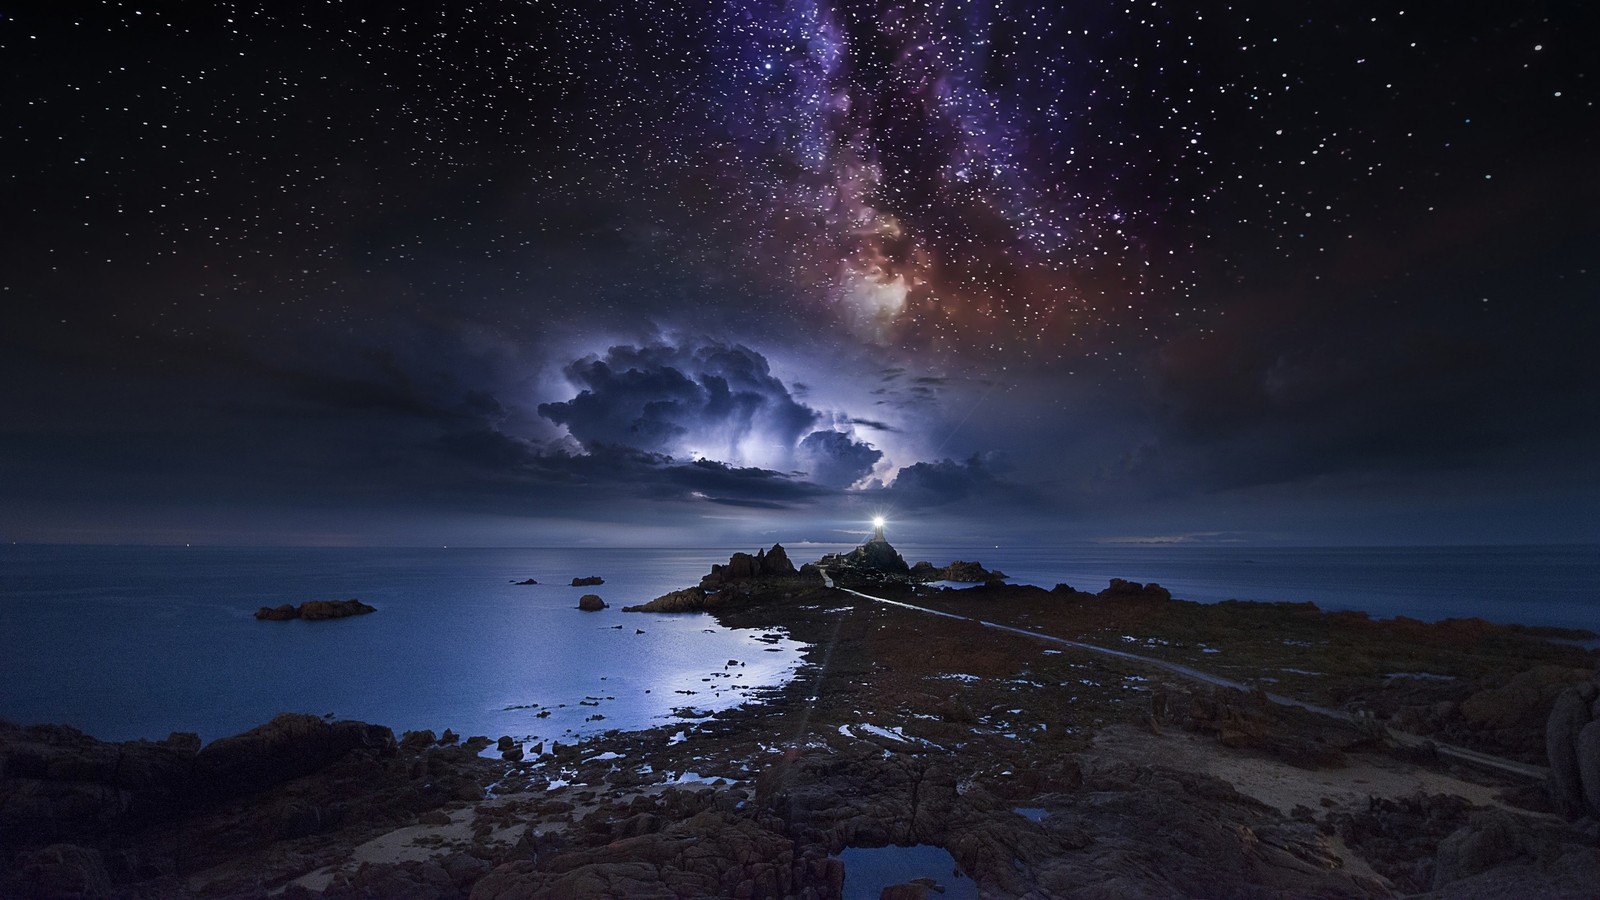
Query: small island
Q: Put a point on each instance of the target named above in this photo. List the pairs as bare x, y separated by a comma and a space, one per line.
315, 610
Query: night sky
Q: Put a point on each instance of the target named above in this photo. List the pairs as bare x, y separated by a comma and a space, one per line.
701, 272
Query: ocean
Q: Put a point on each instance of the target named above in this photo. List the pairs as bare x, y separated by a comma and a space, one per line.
137, 642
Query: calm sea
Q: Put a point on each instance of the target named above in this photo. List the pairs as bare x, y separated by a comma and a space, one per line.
129, 642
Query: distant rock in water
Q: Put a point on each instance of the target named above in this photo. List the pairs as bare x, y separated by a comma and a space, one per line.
765, 575
589, 581
591, 603
525, 581
314, 610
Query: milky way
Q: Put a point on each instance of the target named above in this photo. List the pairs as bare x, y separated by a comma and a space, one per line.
1157, 261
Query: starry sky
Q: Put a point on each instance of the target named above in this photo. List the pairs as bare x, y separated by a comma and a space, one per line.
701, 272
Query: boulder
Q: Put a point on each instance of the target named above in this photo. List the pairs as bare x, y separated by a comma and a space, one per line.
1487, 840
589, 581
1568, 716
289, 746
1588, 747
591, 603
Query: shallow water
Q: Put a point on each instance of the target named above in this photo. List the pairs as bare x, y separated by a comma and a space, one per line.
868, 870
139, 642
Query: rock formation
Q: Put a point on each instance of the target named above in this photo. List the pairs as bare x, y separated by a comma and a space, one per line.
959, 570
768, 574
314, 610
588, 581
591, 603
1572, 743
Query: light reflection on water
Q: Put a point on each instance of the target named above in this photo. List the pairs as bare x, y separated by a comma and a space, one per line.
138, 642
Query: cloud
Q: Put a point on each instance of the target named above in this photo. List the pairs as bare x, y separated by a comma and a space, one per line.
834, 459
928, 484
714, 401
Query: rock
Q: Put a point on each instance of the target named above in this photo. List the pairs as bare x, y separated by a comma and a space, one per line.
911, 890
65, 870
525, 581
314, 610
449, 737
691, 599
1487, 840
1589, 767
972, 572
413, 741
591, 603
1568, 716
505, 743
1521, 701
289, 746
588, 581
1120, 589
334, 609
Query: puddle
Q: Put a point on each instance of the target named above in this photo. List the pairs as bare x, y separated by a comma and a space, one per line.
868, 870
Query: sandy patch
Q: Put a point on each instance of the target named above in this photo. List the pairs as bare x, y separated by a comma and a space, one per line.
1279, 784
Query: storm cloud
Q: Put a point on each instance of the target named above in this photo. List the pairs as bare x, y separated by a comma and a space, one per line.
715, 401
835, 460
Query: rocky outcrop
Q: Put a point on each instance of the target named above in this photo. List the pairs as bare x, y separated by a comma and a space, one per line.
314, 610
958, 571
1133, 590
745, 577
588, 581
525, 581
872, 562
690, 599
1572, 745
591, 603
289, 746
772, 563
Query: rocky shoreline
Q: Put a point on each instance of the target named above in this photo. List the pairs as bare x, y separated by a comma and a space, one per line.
1043, 770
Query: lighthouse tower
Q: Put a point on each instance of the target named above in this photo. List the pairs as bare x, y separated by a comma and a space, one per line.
877, 529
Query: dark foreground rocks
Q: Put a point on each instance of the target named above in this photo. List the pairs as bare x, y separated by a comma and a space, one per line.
1572, 743
315, 610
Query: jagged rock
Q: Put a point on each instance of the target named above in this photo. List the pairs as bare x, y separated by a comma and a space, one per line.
588, 581
591, 603
281, 613
525, 581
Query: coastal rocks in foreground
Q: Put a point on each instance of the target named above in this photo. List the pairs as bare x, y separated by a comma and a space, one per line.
592, 603
767, 574
315, 610
1572, 741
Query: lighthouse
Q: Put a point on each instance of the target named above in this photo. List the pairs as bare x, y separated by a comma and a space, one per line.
877, 529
